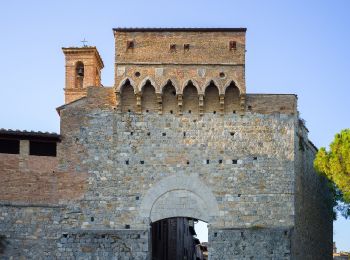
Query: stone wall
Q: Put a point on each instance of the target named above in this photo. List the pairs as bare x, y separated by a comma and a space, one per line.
253, 243
118, 172
247, 161
312, 233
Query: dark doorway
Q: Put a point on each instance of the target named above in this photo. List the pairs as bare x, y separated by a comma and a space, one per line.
174, 239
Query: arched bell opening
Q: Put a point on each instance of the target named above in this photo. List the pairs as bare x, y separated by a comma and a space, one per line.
128, 98
211, 99
79, 75
149, 98
232, 98
169, 99
190, 99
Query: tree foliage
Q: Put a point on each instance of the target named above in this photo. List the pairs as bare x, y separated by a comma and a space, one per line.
335, 165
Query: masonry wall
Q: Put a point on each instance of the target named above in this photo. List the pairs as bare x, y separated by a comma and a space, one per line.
246, 160
108, 161
313, 232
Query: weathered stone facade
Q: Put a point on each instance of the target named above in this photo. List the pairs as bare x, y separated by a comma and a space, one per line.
177, 136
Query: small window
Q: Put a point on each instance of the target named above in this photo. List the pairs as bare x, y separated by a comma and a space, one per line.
9, 146
233, 45
130, 44
42, 148
173, 47
186, 46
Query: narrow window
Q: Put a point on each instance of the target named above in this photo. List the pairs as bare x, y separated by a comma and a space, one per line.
173, 47
130, 44
233, 45
186, 46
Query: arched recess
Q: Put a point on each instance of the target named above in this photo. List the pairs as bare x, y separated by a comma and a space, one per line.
148, 80
169, 98
190, 99
179, 196
149, 98
232, 98
127, 97
211, 99
79, 75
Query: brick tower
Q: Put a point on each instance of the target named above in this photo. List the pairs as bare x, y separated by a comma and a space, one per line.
83, 69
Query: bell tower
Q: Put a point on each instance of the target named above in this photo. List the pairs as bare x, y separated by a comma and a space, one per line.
83, 69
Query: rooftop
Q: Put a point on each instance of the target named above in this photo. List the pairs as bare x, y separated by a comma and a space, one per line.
141, 29
28, 135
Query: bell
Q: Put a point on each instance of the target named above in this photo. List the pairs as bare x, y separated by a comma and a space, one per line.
80, 72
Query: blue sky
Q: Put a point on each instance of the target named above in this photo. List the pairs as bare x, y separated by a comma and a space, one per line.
294, 46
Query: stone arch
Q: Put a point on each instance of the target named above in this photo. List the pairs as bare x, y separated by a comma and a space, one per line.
190, 101
169, 98
179, 196
232, 98
122, 83
211, 98
212, 81
171, 81
190, 81
228, 83
145, 81
148, 98
127, 97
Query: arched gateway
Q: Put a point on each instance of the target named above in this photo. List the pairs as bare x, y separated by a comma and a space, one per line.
179, 196
171, 207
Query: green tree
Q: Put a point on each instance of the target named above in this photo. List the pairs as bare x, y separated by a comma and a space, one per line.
335, 165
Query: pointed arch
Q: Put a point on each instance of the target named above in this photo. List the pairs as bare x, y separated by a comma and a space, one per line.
126, 81
127, 96
228, 83
190, 98
193, 82
148, 98
211, 98
172, 82
212, 81
145, 81
232, 97
169, 98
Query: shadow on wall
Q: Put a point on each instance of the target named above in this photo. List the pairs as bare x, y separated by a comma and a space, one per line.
3, 244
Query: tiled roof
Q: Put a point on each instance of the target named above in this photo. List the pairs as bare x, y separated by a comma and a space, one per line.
23, 134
